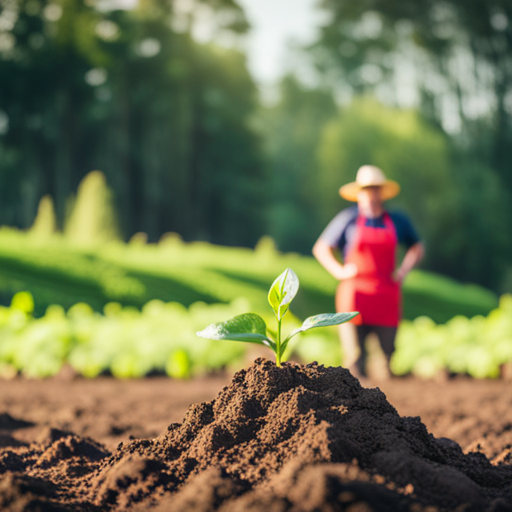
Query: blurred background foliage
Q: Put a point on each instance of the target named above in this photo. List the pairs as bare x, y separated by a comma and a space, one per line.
131, 93
124, 135
186, 145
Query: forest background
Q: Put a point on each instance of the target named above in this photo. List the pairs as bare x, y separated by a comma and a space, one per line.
177, 126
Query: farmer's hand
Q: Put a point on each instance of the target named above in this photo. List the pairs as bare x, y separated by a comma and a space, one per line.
399, 275
325, 254
411, 259
345, 271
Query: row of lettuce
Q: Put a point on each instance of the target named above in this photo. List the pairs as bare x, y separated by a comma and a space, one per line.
480, 346
161, 338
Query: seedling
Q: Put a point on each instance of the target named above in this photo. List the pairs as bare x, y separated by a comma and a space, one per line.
251, 328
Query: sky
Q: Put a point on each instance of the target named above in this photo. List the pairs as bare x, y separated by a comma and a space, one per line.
274, 23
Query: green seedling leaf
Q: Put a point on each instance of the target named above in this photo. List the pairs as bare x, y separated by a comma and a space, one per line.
248, 327
252, 328
282, 292
323, 320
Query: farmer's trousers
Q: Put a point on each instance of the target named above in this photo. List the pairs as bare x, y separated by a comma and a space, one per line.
353, 339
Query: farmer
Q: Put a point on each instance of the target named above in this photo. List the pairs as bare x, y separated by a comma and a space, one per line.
367, 236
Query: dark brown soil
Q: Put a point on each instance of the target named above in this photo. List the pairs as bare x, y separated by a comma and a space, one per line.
297, 438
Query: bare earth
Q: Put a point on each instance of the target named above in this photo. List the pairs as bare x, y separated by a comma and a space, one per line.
97, 415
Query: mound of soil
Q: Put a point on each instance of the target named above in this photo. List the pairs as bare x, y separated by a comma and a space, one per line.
296, 438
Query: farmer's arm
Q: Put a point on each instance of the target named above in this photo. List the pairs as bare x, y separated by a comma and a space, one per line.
412, 257
333, 240
409, 237
326, 256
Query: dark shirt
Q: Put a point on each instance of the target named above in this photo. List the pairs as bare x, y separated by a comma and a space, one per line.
340, 232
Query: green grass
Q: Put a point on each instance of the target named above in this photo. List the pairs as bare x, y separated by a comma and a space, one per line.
57, 273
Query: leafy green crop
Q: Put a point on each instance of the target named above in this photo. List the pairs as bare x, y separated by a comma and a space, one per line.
476, 346
161, 337
251, 328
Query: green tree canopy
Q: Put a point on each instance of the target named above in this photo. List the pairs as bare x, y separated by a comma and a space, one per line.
455, 57
292, 130
132, 93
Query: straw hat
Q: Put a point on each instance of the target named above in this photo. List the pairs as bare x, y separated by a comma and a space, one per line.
370, 176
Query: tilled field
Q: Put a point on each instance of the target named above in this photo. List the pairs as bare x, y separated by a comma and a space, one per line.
297, 438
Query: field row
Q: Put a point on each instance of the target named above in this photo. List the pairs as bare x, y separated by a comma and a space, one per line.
56, 272
161, 338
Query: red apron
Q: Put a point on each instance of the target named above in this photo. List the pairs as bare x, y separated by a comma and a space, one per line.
373, 292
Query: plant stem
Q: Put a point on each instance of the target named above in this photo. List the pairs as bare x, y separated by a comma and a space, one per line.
278, 344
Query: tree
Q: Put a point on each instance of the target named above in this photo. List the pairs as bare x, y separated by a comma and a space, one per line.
93, 220
292, 130
132, 93
45, 224
456, 54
